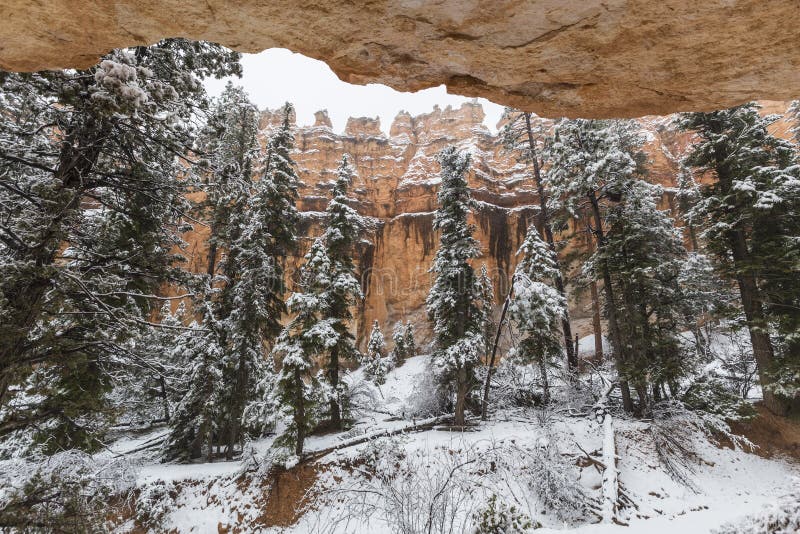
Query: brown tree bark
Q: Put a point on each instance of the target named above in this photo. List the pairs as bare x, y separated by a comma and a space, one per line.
613, 326
597, 326
756, 322
300, 414
333, 380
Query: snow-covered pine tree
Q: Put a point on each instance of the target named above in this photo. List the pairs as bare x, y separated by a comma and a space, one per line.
536, 307
233, 210
687, 195
453, 301
404, 344
525, 135
147, 391
591, 163
255, 287
229, 148
410, 342
376, 363
308, 336
195, 422
794, 113
644, 253
270, 235
343, 227
750, 220
90, 158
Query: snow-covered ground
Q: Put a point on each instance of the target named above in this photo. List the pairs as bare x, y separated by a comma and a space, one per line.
418, 473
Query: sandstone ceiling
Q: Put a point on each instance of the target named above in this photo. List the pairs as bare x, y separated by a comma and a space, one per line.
594, 58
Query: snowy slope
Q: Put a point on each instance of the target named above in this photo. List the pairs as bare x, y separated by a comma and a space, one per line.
502, 457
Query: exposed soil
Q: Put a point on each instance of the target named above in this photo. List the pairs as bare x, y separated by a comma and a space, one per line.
775, 436
288, 494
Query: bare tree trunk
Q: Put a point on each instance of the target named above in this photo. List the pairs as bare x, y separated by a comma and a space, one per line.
461, 396
597, 326
300, 414
490, 370
545, 381
333, 380
756, 322
616, 341
544, 220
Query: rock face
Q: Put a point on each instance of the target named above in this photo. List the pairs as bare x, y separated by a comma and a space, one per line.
586, 58
396, 191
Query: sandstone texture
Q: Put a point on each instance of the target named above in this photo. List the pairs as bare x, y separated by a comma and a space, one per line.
396, 187
587, 58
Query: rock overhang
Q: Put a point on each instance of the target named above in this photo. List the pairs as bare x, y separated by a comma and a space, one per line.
591, 58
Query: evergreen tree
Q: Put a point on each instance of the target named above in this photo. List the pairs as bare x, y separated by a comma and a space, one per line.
376, 364
404, 344
90, 209
309, 335
750, 220
147, 389
340, 237
592, 161
230, 148
196, 420
525, 135
256, 288
453, 301
536, 307
644, 254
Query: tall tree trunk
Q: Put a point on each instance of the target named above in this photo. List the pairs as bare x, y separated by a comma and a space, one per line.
461, 396
597, 326
545, 381
544, 221
300, 414
333, 380
461, 374
490, 370
212, 262
613, 326
237, 408
756, 322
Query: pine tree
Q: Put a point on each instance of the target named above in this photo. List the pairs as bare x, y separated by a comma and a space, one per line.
90, 159
452, 303
309, 335
644, 254
340, 237
536, 307
404, 344
525, 135
146, 390
410, 343
255, 287
592, 161
376, 363
196, 420
750, 220
230, 148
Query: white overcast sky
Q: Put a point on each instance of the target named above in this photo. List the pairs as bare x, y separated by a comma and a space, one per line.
275, 76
